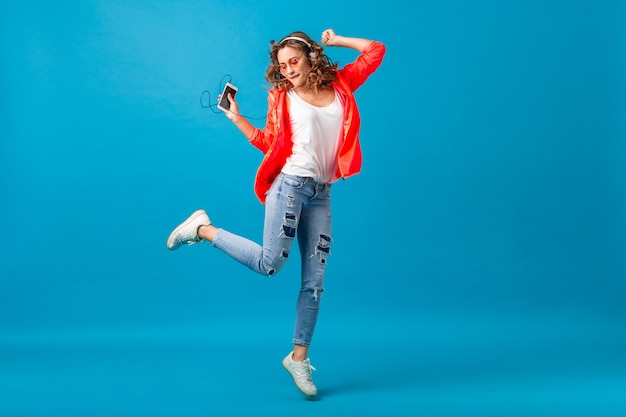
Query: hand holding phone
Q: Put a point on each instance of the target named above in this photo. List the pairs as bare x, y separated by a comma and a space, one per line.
223, 104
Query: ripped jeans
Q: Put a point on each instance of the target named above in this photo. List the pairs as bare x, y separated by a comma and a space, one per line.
296, 207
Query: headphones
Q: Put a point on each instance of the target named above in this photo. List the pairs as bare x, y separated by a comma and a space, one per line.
312, 54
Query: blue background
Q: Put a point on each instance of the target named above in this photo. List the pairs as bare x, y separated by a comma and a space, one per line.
479, 259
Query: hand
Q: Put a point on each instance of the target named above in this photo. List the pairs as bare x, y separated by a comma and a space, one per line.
329, 38
233, 113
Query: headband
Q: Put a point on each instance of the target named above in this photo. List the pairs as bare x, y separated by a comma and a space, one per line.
297, 38
312, 53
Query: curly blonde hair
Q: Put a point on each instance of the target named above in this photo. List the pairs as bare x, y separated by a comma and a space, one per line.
323, 70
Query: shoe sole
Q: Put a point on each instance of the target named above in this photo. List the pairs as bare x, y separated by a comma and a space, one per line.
171, 240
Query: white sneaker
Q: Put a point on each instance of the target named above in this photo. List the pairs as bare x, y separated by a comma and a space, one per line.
187, 232
301, 373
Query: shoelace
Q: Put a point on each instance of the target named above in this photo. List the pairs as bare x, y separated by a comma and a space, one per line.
307, 367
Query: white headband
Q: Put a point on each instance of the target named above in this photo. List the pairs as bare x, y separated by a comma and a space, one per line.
297, 38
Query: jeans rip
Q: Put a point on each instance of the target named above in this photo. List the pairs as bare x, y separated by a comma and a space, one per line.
289, 225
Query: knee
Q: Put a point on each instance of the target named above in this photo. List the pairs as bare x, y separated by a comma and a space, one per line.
271, 265
322, 249
273, 262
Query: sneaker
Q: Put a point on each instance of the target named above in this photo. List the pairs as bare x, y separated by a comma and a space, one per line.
301, 373
187, 232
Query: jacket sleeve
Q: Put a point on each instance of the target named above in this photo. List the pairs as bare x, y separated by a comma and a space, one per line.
263, 138
365, 64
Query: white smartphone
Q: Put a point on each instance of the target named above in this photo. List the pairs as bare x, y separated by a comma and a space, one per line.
223, 104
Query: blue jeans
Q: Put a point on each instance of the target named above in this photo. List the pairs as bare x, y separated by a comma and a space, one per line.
295, 207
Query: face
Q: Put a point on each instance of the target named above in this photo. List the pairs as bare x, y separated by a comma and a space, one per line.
293, 65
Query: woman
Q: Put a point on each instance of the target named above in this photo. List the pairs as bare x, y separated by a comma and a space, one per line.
310, 141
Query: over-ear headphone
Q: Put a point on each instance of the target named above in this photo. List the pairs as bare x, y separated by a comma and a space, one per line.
312, 54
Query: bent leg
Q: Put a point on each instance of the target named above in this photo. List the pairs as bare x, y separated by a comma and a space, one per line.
282, 213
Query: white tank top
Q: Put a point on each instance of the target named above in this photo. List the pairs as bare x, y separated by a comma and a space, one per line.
315, 135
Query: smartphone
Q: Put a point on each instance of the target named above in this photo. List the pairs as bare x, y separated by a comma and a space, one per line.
224, 104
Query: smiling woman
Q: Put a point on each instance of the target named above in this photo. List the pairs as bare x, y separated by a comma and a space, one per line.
310, 141
478, 266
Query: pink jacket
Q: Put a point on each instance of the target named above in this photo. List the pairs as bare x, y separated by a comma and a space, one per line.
274, 140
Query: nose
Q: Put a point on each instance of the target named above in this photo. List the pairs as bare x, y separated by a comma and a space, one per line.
288, 69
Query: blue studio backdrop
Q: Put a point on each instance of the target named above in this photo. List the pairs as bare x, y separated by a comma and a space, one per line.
479, 259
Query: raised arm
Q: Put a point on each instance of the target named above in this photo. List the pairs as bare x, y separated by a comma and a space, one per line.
330, 38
